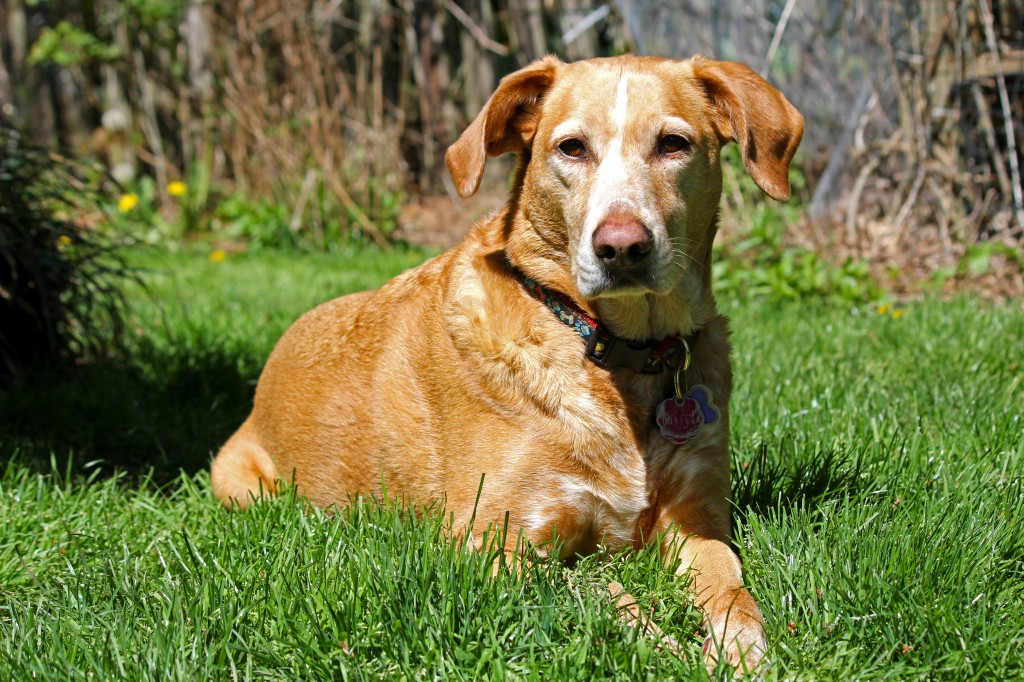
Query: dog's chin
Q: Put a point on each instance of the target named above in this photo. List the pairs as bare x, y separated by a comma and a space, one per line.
604, 284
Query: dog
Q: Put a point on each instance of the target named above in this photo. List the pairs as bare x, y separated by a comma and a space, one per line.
569, 350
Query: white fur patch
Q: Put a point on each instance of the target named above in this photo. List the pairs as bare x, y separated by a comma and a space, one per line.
674, 124
613, 513
612, 179
621, 108
567, 129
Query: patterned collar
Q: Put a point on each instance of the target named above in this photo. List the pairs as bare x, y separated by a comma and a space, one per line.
603, 347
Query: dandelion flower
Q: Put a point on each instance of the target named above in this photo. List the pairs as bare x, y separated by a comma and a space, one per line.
127, 202
63, 241
897, 314
218, 256
883, 309
176, 188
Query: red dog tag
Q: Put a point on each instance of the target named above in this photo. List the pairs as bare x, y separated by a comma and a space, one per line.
681, 420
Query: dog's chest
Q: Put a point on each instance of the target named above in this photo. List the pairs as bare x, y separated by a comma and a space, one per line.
608, 496
587, 462
629, 473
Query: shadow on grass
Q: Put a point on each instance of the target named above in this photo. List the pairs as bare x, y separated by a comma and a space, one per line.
783, 477
153, 410
168, 408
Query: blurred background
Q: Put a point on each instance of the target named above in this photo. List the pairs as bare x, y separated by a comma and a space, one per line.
327, 118
320, 126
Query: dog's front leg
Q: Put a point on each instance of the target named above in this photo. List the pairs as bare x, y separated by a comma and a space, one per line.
732, 619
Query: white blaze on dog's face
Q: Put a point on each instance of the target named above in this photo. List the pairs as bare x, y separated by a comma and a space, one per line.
630, 160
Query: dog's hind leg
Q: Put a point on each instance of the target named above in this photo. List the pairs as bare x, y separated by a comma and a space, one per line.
242, 471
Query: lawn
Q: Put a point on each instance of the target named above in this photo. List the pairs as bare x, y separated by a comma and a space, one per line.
877, 482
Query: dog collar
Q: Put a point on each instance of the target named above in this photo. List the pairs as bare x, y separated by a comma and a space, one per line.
605, 348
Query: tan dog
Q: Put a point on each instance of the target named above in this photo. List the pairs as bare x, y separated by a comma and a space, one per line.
547, 351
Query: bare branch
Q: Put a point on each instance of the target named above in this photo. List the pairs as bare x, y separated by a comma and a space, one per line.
780, 28
475, 30
1004, 100
586, 22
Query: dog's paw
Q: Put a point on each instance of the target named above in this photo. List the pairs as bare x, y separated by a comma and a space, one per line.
740, 641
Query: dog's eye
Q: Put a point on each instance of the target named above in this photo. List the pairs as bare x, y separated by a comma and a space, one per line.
670, 144
573, 148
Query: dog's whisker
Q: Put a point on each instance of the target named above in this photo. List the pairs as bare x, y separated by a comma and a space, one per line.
687, 258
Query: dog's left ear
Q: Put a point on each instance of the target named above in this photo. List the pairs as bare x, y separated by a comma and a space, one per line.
507, 123
757, 116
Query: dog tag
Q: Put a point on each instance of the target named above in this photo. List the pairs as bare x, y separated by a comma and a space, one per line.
680, 420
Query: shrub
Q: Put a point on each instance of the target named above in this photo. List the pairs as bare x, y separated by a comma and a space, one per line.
59, 279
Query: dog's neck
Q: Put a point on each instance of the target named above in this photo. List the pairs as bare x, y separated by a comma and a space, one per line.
651, 316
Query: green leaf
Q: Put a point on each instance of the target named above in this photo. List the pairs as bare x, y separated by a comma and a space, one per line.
67, 45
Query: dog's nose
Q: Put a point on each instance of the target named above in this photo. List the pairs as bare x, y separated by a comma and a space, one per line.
622, 241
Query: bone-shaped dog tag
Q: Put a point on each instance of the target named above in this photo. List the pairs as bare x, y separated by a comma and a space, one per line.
681, 420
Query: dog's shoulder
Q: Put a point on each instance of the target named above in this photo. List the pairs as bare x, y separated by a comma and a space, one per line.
515, 345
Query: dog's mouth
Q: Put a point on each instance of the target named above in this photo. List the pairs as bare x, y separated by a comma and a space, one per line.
599, 281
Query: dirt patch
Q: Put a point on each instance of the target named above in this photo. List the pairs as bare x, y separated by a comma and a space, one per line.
443, 221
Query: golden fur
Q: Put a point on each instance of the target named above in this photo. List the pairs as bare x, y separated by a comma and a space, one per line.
452, 370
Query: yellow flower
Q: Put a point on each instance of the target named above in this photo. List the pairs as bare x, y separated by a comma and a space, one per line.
883, 309
127, 202
897, 314
176, 188
218, 256
63, 242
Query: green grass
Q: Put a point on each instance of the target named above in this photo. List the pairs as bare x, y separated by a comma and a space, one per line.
877, 478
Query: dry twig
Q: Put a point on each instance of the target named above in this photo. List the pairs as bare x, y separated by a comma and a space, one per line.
1004, 100
780, 28
482, 38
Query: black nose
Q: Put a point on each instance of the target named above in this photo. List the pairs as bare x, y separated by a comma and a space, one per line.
622, 241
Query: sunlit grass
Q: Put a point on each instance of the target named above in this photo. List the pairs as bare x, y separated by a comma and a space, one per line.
877, 476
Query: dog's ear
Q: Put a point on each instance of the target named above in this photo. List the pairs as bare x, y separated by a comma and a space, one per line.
506, 123
747, 109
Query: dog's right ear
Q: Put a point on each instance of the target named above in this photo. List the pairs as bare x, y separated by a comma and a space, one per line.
507, 123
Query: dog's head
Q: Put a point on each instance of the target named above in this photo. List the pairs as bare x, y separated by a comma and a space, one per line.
622, 176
